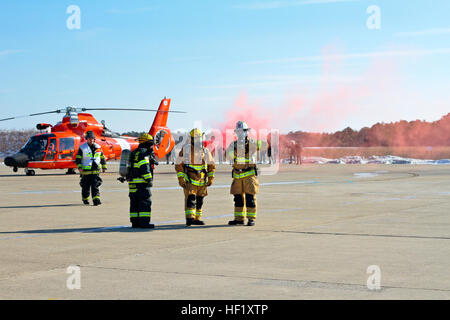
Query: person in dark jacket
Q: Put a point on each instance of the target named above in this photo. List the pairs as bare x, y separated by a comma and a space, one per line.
90, 160
140, 179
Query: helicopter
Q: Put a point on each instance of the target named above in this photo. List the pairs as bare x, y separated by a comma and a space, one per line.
56, 147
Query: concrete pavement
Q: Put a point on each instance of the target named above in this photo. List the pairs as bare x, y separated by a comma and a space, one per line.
319, 228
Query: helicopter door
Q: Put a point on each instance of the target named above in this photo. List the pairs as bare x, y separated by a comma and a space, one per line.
66, 148
51, 151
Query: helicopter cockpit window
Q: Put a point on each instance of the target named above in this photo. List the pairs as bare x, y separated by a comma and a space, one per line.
66, 148
35, 148
51, 152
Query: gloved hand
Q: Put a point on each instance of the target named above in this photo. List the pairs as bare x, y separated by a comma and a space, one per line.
182, 182
210, 181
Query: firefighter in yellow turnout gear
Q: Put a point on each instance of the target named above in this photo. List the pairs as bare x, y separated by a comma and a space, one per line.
140, 179
195, 169
245, 184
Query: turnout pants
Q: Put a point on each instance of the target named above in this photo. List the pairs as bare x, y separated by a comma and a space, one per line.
193, 201
244, 191
140, 203
90, 184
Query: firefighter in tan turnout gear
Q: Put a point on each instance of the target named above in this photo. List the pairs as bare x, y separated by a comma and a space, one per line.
245, 184
195, 169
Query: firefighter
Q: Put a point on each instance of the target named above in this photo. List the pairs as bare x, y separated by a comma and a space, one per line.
140, 179
195, 169
90, 160
292, 151
298, 152
245, 185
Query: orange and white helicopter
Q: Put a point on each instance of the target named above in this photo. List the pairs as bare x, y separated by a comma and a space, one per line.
56, 146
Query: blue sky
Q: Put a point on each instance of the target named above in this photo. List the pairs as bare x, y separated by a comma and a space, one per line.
207, 54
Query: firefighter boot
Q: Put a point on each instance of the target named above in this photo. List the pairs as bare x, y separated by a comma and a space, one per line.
144, 223
97, 202
235, 222
86, 202
134, 222
198, 222
251, 222
189, 221
147, 226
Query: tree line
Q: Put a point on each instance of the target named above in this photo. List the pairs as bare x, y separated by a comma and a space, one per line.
394, 134
13, 140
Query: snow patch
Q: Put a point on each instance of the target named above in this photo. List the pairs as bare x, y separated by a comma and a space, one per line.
359, 175
371, 160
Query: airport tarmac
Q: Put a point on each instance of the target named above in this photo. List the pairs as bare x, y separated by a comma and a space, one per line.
318, 230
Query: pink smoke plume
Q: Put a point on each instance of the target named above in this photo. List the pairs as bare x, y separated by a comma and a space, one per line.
333, 103
256, 116
327, 109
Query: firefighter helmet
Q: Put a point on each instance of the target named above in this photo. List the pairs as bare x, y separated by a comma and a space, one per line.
196, 136
241, 125
90, 135
241, 130
196, 133
145, 137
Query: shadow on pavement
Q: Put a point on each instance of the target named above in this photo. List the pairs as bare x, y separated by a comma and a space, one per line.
43, 206
114, 229
157, 228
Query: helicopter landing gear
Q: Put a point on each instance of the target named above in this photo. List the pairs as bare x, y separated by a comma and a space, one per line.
15, 169
29, 172
71, 171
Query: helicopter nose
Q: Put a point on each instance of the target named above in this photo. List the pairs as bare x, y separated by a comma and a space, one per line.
18, 160
10, 161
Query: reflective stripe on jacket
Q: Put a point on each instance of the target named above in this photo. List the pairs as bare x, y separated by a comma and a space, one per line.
91, 162
237, 175
196, 169
140, 168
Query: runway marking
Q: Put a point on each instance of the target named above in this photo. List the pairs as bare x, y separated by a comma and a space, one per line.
359, 234
394, 199
360, 175
220, 186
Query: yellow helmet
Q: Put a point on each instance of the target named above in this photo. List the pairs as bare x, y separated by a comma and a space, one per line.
196, 133
145, 137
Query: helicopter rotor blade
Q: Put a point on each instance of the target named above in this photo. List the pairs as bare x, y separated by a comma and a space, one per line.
128, 109
88, 109
31, 115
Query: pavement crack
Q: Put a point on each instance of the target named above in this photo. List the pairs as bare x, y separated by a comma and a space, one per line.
274, 281
358, 234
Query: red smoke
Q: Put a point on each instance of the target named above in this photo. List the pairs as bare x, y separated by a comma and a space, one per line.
254, 115
337, 101
338, 97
